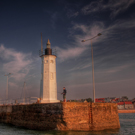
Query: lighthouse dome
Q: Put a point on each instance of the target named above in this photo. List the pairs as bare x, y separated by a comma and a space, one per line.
48, 50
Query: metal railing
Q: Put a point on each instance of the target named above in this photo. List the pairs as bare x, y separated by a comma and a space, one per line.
28, 100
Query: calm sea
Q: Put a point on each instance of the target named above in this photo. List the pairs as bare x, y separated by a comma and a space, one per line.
127, 122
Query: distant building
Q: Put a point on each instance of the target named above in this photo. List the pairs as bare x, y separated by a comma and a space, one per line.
110, 99
133, 102
121, 105
107, 100
125, 105
116, 100
129, 105
100, 100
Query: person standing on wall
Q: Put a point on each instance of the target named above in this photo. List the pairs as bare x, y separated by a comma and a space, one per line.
64, 94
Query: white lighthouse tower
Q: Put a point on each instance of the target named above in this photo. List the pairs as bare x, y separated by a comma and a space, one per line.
48, 86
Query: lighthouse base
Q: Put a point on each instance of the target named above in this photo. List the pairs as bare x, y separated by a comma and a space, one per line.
49, 101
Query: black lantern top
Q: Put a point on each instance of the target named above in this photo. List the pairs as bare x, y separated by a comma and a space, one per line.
48, 50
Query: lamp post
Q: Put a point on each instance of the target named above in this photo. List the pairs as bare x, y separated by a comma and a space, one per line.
7, 85
99, 34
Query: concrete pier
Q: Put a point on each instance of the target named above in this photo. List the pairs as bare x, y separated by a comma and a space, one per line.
62, 116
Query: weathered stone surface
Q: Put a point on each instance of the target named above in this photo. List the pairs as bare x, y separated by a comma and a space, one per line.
62, 116
126, 111
105, 116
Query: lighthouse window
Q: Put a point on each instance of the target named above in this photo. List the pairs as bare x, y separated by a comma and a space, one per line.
46, 61
51, 61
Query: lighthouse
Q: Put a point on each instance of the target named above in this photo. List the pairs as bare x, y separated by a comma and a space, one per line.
48, 84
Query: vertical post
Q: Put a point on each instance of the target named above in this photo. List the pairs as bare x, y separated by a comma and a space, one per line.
99, 34
24, 92
7, 87
7, 90
93, 72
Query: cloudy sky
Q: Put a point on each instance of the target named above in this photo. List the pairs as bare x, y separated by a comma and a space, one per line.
66, 23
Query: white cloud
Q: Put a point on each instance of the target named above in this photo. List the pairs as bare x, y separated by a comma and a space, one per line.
17, 63
116, 69
124, 24
80, 66
115, 6
78, 46
87, 32
69, 53
91, 29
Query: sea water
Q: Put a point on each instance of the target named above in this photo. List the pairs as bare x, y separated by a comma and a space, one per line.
127, 123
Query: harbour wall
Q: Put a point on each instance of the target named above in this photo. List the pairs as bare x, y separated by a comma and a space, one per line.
126, 111
62, 116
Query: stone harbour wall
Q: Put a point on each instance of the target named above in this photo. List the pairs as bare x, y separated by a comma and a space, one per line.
105, 116
62, 116
126, 111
